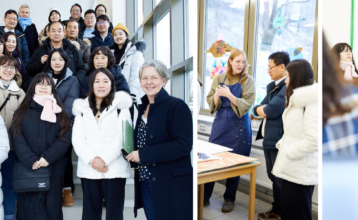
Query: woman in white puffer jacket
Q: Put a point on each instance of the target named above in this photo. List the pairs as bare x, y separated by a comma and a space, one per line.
4, 150
97, 140
297, 160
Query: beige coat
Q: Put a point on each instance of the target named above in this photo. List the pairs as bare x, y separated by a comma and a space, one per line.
16, 97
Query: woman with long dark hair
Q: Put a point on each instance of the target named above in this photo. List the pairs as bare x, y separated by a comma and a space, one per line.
97, 140
297, 161
41, 134
12, 48
348, 69
10, 91
102, 57
231, 96
68, 89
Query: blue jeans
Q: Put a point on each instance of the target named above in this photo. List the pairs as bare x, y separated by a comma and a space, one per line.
146, 196
270, 157
7, 169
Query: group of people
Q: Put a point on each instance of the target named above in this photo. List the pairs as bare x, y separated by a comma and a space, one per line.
289, 114
73, 86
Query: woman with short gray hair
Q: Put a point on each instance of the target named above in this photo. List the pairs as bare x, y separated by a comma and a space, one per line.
163, 140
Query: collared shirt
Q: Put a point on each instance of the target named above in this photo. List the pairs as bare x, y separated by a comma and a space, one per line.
88, 33
7, 30
280, 80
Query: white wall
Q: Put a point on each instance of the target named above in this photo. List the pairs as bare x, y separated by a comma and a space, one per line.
39, 9
336, 21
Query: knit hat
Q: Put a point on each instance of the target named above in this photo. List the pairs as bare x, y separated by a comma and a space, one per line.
122, 27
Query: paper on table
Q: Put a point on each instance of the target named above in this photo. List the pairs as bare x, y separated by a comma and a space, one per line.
210, 148
206, 157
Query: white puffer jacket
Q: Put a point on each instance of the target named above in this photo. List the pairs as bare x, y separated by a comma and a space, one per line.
4, 150
102, 140
133, 59
297, 159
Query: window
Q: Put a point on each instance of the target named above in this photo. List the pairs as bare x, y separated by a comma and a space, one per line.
221, 17
281, 26
162, 38
190, 16
156, 2
278, 25
139, 13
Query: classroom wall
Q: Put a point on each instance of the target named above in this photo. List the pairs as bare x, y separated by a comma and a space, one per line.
336, 21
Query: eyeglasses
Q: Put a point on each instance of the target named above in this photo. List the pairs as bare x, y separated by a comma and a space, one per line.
348, 51
90, 18
11, 19
103, 22
270, 68
100, 11
41, 84
76, 10
6, 67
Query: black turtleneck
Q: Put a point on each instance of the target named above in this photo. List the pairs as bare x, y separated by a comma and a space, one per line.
118, 53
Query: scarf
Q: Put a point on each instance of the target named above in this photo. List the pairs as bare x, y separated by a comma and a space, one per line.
50, 107
24, 22
349, 69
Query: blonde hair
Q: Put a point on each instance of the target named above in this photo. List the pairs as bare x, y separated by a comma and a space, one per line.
234, 53
24, 6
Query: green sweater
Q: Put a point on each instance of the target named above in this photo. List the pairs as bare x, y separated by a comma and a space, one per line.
244, 103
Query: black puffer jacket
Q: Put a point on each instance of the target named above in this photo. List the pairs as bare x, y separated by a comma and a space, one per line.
41, 139
76, 65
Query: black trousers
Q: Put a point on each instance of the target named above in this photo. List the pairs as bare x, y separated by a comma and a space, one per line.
41, 206
296, 202
68, 175
111, 190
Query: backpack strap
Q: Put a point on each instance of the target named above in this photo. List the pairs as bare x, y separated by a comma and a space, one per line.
6, 100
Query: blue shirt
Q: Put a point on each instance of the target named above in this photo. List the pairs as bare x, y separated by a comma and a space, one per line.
88, 33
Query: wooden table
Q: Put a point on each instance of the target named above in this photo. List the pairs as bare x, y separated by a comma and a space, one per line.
215, 175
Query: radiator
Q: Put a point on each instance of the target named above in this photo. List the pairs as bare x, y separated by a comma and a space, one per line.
261, 173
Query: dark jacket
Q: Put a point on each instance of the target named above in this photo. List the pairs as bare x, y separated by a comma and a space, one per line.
169, 142
97, 40
120, 80
41, 139
31, 36
275, 105
22, 43
69, 90
76, 65
22, 70
84, 50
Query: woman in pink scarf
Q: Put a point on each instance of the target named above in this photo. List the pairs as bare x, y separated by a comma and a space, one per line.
344, 54
41, 133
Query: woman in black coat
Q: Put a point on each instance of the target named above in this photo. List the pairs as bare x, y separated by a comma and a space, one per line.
40, 134
68, 90
102, 57
163, 141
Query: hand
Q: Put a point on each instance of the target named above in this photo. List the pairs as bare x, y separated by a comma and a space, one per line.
98, 163
44, 59
104, 170
224, 91
42, 162
134, 156
35, 166
260, 111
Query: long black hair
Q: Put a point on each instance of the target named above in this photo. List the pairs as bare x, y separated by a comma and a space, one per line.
20, 112
301, 74
48, 67
107, 101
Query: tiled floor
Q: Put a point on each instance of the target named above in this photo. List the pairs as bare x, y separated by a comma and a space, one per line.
240, 212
